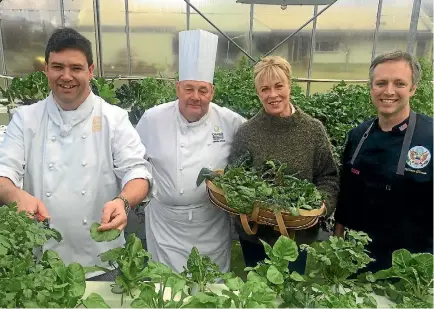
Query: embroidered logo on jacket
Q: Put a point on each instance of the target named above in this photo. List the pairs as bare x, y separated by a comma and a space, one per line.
354, 171
96, 124
217, 135
418, 157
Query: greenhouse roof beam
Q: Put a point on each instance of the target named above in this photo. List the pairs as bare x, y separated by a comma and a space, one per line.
218, 29
314, 17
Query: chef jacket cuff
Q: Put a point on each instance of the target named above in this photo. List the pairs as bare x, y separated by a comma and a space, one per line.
138, 173
10, 173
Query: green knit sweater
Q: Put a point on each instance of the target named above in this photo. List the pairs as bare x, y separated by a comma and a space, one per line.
301, 142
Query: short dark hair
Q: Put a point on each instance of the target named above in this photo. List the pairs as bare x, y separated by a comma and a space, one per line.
397, 56
65, 38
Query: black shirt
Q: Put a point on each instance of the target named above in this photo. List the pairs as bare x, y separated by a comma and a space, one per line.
395, 210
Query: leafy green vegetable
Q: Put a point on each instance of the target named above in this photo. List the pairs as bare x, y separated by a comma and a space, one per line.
27, 90
138, 96
268, 186
335, 260
415, 279
131, 261
105, 235
201, 270
94, 301
105, 89
27, 281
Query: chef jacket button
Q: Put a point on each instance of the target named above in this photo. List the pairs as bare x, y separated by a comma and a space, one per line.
84, 163
182, 191
84, 221
83, 192
181, 168
53, 138
48, 194
83, 136
50, 166
182, 145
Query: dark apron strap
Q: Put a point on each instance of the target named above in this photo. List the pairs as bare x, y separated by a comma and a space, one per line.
406, 144
364, 137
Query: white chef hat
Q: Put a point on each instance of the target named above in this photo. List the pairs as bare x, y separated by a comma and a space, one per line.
197, 55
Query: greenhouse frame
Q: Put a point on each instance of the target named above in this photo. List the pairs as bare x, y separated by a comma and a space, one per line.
325, 41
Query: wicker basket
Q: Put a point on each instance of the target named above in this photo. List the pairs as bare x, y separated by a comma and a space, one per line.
281, 220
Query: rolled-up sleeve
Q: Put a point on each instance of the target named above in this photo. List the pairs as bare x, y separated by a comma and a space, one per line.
129, 154
12, 153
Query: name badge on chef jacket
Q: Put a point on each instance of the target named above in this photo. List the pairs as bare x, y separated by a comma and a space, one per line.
217, 135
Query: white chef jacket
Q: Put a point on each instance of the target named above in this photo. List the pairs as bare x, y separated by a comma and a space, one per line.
74, 162
180, 215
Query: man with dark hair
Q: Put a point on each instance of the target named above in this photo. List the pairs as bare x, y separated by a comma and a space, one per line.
387, 181
78, 158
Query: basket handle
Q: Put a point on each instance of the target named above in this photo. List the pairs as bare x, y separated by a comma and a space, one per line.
246, 225
245, 221
281, 223
282, 227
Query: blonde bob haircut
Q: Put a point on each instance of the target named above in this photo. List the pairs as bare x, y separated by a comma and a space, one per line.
272, 68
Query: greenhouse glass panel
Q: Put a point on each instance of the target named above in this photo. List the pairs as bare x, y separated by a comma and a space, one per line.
272, 25
394, 26
79, 15
154, 27
26, 27
113, 37
343, 42
230, 17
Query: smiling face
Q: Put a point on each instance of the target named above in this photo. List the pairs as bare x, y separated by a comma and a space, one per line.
68, 75
274, 93
194, 98
392, 87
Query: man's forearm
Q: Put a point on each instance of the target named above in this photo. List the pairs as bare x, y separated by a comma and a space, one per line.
8, 191
135, 191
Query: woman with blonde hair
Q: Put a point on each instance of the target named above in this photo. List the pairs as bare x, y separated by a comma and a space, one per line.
283, 132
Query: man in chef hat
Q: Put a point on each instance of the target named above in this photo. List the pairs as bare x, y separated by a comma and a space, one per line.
182, 137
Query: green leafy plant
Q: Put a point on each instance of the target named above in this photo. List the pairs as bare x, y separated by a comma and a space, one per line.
201, 270
162, 277
131, 262
413, 279
335, 260
108, 235
26, 90
105, 89
269, 186
30, 281
422, 101
138, 96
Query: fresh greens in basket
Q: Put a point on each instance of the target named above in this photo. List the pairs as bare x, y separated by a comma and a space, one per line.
268, 185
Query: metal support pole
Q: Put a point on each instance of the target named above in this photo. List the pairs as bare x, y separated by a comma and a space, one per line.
312, 49
413, 26
127, 32
252, 11
299, 29
377, 28
2, 53
97, 21
188, 16
224, 34
62, 13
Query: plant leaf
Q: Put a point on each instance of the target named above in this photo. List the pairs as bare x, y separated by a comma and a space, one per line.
103, 236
